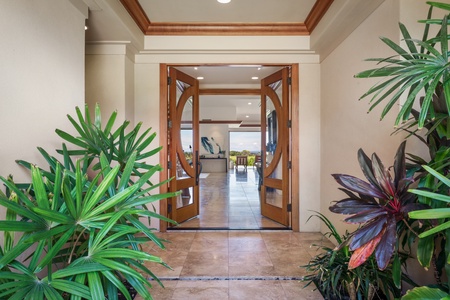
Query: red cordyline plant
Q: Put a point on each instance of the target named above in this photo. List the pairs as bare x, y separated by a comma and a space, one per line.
379, 206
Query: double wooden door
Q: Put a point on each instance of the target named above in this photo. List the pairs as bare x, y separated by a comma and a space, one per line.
183, 144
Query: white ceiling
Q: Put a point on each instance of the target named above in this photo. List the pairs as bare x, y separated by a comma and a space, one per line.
240, 11
110, 22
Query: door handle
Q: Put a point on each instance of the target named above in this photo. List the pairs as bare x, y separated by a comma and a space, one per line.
198, 168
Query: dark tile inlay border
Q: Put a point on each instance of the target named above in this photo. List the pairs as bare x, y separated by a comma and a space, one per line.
206, 278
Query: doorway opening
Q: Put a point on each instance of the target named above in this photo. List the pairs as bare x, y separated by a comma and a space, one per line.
210, 183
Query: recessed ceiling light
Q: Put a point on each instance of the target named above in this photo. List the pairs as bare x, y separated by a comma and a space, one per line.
85, 27
247, 116
249, 103
195, 68
200, 77
224, 1
255, 77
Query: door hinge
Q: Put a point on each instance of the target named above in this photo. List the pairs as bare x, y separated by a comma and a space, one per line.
169, 80
289, 207
169, 124
169, 208
289, 80
289, 164
289, 123
169, 165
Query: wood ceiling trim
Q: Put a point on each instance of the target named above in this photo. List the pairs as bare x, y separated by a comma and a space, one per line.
148, 28
226, 29
135, 10
317, 12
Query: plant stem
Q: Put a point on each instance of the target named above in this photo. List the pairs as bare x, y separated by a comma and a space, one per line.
410, 228
74, 246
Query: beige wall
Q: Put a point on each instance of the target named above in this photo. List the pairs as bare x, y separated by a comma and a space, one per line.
41, 77
346, 126
110, 82
146, 104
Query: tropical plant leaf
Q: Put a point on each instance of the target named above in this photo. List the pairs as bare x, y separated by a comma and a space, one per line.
425, 293
361, 254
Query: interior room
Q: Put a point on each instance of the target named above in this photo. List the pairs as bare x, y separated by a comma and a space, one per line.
181, 68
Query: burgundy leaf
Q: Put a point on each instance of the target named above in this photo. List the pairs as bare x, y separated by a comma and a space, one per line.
400, 165
357, 185
403, 184
351, 206
366, 215
385, 248
362, 254
412, 207
383, 177
350, 194
367, 232
366, 166
363, 198
368, 199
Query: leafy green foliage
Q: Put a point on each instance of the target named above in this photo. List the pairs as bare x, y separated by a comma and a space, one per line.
422, 65
438, 226
425, 292
116, 144
82, 237
330, 271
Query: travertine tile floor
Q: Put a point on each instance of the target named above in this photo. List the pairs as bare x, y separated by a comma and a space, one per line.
230, 200
234, 265
242, 262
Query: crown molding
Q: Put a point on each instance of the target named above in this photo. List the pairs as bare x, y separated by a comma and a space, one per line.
245, 29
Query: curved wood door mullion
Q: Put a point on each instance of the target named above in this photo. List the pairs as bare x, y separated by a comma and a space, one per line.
268, 170
187, 94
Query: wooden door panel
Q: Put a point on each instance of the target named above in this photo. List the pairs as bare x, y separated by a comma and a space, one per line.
275, 147
183, 160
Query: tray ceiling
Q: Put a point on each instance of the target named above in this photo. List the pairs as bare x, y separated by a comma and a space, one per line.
239, 17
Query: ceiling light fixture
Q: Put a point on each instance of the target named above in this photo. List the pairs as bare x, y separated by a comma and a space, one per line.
200, 77
255, 78
224, 1
249, 103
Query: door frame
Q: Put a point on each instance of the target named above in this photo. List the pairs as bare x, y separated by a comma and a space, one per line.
294, 143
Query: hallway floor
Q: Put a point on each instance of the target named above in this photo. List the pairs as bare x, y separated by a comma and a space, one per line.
239, 261
230, 264
230, 201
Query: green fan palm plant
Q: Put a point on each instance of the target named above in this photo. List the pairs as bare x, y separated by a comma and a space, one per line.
437, 228
71, 236
420, 66
419, 71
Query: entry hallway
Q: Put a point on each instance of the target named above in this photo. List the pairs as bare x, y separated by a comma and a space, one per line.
230, 201
234, 265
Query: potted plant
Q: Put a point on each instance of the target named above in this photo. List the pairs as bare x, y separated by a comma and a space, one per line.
330, 272
81, 236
